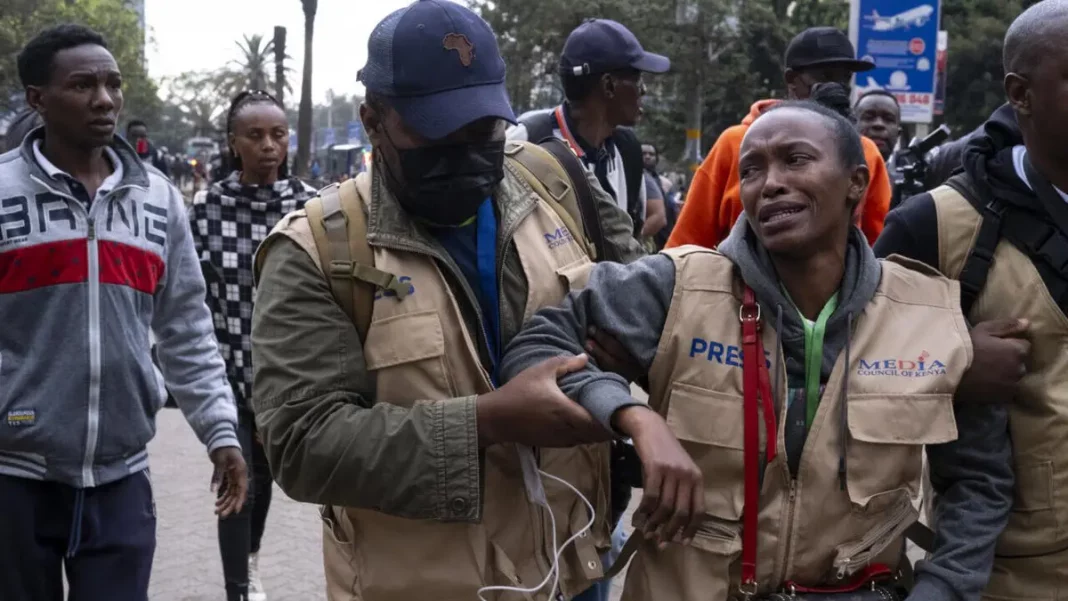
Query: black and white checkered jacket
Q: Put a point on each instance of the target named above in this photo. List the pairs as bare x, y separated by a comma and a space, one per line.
228, 224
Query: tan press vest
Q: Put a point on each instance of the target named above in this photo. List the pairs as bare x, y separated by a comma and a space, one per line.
1032, 553
908, 351
417, 349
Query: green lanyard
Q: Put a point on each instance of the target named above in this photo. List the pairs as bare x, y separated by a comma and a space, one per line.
814, 332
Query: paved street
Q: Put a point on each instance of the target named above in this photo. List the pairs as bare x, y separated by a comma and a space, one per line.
187, 565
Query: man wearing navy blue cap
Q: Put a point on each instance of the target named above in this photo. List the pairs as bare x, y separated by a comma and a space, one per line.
386, 408
601, 70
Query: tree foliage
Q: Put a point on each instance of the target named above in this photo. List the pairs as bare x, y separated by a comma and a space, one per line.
254, 70
20, 20
194, 104
730, 52
976, 29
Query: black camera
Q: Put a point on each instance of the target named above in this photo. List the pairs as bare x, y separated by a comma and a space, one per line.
913, 161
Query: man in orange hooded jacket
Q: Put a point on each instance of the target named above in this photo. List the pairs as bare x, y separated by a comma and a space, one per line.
816, 55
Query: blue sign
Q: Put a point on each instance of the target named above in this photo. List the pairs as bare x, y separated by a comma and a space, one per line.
901, 38
355, 132
326, 137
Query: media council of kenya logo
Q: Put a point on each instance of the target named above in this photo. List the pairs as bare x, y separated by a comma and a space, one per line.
921, 367
558, 238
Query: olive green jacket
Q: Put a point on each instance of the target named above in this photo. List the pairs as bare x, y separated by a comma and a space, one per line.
327, 438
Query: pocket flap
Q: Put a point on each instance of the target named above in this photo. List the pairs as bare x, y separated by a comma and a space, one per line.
904, 419
576, 274
718, 539
404, 339
706, 416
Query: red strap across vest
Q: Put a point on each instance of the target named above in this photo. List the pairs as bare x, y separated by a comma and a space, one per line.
757, 393
758, 398
565, 131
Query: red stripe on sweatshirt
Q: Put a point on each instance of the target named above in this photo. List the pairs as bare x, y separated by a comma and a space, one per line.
126, 265
67, 262
50, 264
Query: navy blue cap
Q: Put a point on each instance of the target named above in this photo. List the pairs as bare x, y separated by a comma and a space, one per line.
438, 64
603, 45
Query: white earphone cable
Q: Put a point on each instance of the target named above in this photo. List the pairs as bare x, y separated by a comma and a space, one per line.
554, 571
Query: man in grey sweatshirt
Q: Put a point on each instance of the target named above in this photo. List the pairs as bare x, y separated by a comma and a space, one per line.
972, 475
95, 255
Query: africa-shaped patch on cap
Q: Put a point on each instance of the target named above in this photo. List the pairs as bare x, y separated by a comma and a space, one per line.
463, 47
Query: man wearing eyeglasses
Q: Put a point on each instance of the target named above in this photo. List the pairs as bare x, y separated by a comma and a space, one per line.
601, 70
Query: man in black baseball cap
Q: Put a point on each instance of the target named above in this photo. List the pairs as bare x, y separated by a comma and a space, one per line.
601, 69
819, 57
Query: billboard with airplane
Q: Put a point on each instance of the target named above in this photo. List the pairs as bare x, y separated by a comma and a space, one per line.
913, 17
901, 38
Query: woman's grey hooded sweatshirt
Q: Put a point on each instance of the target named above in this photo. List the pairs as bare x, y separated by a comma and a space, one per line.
972, 475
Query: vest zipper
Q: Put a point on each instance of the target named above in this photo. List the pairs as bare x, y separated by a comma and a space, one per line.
860, 554
791, 509
545, 560
780, 575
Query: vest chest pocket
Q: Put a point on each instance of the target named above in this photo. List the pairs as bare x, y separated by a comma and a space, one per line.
576, 275
885, 449
407, 354
709, 425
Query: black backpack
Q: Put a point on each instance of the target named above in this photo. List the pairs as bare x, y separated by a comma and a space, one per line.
1039, 231
540, 126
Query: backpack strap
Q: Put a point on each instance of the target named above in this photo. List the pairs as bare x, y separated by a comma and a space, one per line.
539, 126
339, 224
557, 175
630, 150
977, 266
1033, 232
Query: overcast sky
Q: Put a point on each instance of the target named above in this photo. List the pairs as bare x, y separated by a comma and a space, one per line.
188, 35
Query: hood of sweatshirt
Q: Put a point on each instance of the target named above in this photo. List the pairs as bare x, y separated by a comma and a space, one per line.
987, 159
861, 278
758, 109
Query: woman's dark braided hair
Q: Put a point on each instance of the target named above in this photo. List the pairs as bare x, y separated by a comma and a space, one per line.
231, 161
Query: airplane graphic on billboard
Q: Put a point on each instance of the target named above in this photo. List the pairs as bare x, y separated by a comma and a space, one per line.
914, 17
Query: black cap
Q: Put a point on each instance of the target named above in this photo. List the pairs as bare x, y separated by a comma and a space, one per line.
823, 46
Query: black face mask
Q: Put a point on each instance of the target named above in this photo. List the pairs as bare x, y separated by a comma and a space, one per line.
444, 185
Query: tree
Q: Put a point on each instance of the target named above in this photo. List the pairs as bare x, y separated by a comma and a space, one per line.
281, 82
727, 53
20, 20
253, 70
304, 121
193, 106
974, 78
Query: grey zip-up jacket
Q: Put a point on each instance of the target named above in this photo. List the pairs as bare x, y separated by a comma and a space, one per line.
80, 291
972, 475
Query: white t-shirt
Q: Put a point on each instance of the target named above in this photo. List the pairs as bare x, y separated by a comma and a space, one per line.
1018, 154
616, 176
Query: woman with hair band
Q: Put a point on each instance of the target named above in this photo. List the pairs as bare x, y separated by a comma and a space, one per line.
228, 224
